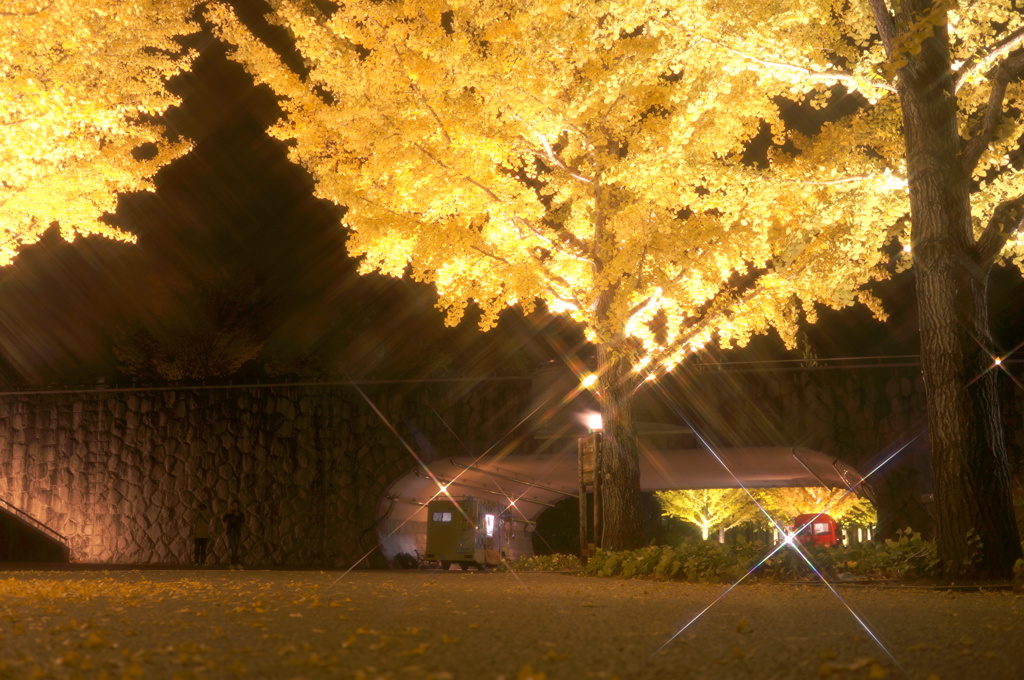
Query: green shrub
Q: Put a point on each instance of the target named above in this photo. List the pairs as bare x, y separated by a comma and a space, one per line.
641, 562
906, 556
556, 562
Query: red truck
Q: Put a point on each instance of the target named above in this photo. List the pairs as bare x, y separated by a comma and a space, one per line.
816, 529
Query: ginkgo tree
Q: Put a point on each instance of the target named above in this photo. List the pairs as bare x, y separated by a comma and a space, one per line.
774, 508
708, 509
80, 85
936, 90
580, 154
784, 504
958, 74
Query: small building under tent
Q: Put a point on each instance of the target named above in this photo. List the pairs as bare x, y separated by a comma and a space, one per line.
516, 490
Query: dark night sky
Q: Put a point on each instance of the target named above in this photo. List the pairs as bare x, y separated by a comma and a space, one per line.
236, 214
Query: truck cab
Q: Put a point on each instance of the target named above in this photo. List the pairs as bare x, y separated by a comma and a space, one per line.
817, 529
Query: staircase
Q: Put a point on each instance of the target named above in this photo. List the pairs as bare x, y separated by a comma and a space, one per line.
23, 538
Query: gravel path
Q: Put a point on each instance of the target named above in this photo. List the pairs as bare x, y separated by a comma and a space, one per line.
457, 626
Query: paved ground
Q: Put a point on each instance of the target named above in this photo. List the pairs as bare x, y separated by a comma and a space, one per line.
454, 626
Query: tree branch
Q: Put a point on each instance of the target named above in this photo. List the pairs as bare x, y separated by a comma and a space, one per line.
841, 180
885, 24
490, 194
1007, 219
809, 74
565, 237
19, 121
1011, 68
437, 118
561, 281
423, 100
549, 154
499, 258
571, 300
721, 302
1000, 49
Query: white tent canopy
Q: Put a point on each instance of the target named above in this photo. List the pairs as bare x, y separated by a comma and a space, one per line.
529, 484
539, 481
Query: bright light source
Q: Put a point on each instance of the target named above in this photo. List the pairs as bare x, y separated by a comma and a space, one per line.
589, 381
443, 488
999, 360
906, 247
489, 524
593, 421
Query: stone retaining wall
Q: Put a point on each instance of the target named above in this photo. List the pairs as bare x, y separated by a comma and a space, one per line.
119, 473
863, 415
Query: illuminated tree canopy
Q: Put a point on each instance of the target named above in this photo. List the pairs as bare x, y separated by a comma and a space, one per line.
786, 503
643, 168
723, 509
80, 84
587, 155
708, 509
597, 169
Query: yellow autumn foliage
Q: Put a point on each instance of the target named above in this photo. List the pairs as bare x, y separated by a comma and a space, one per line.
786, 503
708, 509
80, 84
658, 171
587, 155
722, 509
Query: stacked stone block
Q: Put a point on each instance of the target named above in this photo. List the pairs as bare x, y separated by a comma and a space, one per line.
120, 473
860, 414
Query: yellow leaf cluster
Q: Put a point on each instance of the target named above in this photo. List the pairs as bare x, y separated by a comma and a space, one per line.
80, 84
590, 155
708, 509
722, 509
785, 503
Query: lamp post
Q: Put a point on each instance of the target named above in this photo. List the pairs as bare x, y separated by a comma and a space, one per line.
589, 452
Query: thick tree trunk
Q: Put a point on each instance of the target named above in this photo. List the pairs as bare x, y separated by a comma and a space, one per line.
976, 530
620, 454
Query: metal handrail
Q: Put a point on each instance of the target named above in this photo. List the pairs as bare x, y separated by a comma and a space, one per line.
35, 523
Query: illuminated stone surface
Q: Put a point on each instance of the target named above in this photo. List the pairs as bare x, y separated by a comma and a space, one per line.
119, 474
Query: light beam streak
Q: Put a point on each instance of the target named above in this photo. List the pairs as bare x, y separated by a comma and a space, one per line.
863, 624
794, 544
442, 487
1000, 363
718, 599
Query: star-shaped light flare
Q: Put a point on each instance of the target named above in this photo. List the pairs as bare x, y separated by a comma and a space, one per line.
443, 485
789, 541
999, 362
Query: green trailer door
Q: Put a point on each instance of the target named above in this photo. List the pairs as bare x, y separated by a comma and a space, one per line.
451, 531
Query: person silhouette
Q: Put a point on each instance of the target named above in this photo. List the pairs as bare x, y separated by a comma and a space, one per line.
234, 520
200, 534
